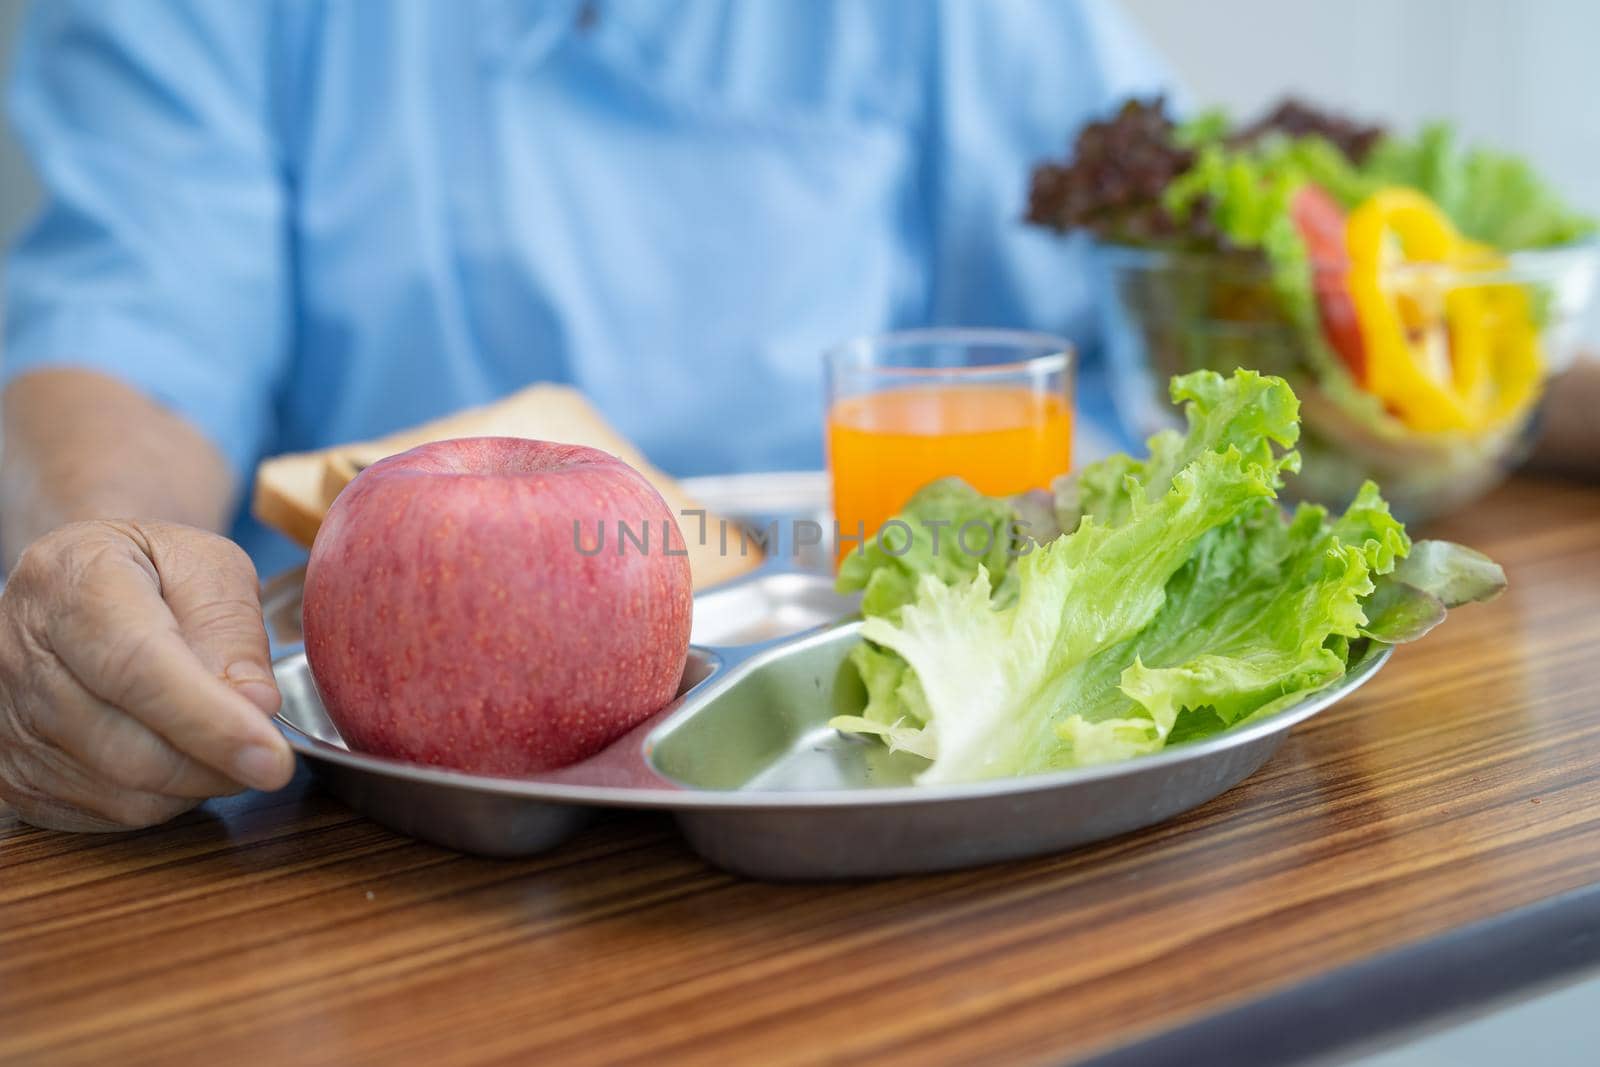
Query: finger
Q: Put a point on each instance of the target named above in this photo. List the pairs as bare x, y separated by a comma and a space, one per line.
115, 748
49, 791
121, 642
212, 589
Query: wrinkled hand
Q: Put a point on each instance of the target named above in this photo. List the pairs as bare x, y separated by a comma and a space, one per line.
134, 677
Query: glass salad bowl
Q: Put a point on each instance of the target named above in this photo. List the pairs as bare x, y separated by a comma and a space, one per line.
1425, 377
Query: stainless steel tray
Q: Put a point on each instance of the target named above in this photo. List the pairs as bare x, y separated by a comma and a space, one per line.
744, 758
757, 781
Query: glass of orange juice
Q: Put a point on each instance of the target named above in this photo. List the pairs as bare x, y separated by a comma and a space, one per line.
993, 407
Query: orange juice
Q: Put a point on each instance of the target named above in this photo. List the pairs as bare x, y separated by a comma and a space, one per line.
884, 446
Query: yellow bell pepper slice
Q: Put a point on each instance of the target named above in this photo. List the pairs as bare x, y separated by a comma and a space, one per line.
1471, 320
1448, 357
1389, 228
1517, 363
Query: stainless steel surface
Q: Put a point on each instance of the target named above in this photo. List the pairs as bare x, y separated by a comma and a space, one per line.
771, 504
803, 801
790, 493
761, 786
280, 606
773, 602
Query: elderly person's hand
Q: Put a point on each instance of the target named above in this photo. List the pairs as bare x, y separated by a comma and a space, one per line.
134, 677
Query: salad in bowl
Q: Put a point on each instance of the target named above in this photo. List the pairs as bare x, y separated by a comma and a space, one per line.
1418, 296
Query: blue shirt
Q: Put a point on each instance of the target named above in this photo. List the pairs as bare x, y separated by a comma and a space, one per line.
301, 223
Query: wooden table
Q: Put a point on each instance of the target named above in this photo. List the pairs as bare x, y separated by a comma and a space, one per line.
1461, 785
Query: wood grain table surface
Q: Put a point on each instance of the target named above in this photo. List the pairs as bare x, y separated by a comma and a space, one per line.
1461, 784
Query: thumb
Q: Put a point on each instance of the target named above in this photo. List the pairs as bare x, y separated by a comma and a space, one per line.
211, 588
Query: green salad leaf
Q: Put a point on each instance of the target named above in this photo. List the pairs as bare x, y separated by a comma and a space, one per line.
1434, 577
948, 531
1180, 602
1491, 196
927, 538
1247, 189
1250, 412
1453, 573
992, 677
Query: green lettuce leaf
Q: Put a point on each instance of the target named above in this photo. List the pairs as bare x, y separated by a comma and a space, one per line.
925, 538
994, 678
1436, 576
1249, 411
1490, 196
1453, 573
896, 710
1265, 617
1250, 414
1135, 527
1180, 602
927, 541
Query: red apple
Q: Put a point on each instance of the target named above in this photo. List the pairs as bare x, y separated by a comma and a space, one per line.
456, 612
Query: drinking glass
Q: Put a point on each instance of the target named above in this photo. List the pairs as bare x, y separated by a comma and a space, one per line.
992, 407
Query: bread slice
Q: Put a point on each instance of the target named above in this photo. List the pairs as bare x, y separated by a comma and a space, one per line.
293, 492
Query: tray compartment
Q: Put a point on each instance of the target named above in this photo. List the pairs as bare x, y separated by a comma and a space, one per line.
761, 731
765, 728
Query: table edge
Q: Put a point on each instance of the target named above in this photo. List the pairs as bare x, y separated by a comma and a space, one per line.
1362, 1003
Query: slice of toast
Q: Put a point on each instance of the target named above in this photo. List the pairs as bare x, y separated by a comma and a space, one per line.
293, 492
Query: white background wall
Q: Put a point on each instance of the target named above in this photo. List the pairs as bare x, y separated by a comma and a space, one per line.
1517, 74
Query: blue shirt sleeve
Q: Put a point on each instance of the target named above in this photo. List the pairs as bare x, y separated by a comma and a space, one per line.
161, 255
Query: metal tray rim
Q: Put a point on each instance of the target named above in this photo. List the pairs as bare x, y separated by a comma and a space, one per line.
686, 797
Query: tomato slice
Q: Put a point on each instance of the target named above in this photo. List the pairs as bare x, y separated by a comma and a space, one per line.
1320, 220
